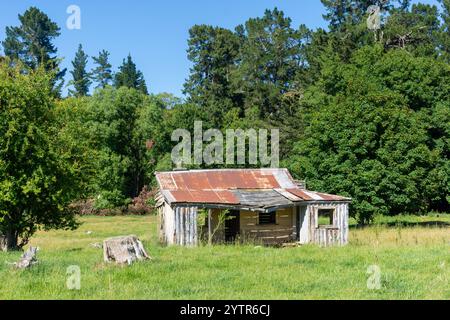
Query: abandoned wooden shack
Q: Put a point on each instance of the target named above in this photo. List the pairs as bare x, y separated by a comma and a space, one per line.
261, 205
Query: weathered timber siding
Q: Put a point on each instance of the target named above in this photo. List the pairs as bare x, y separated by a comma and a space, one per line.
185, 226
303, 225
166, 224
283, 231
337, 234
178, 225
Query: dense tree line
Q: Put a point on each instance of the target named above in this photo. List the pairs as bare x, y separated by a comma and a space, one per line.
361, 113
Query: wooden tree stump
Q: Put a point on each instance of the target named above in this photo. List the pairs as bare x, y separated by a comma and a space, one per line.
125, 249
28, 259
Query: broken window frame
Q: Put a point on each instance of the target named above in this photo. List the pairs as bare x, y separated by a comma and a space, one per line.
331, 211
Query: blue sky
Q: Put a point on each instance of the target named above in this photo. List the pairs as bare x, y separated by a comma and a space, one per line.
154, 32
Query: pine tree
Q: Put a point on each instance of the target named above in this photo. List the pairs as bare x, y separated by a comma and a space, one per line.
81, 79
214, 52
129, 76
445, 30
31, 43
102, 74
271, 56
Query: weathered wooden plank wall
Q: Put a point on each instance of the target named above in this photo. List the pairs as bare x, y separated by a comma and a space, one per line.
337, 234
166, 224
283, 231
303, 224
178, 225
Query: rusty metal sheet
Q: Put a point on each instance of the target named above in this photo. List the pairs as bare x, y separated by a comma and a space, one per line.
227, 197
284, 179
312, 195
265, 180
331, 197
181, 196
262, 198
219, 179
300, 193
166, 181
202, 196
288, 195
214, 186
197, 181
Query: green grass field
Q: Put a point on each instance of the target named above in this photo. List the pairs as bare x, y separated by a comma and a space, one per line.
413, 254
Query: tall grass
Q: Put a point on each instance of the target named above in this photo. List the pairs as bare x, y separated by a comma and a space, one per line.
414, 261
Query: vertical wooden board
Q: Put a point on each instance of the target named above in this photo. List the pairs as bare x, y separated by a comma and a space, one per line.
169, 215
183, 214
313, 219
337, 239
194, 231
347, 226
175, 231
186, 227
294, 211
336, 217
304, 225
192, 226
190, 222
180, 226
342, 225
209, 226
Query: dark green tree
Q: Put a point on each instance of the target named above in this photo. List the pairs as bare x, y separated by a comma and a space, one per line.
102, 74
376, 132
270, 61
445, 30
32, 43
416, 30
213, 51
37, 182
129, 76
81, 79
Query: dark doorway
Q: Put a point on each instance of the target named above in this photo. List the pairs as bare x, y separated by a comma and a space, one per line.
232, 225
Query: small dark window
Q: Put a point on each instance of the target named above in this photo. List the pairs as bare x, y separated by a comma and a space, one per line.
267, 218
325, 217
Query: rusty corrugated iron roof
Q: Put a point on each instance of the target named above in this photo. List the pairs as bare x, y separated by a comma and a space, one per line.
220, 186
315, 196
225, 179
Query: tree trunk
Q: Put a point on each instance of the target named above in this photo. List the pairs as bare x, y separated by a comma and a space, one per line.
8, 241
